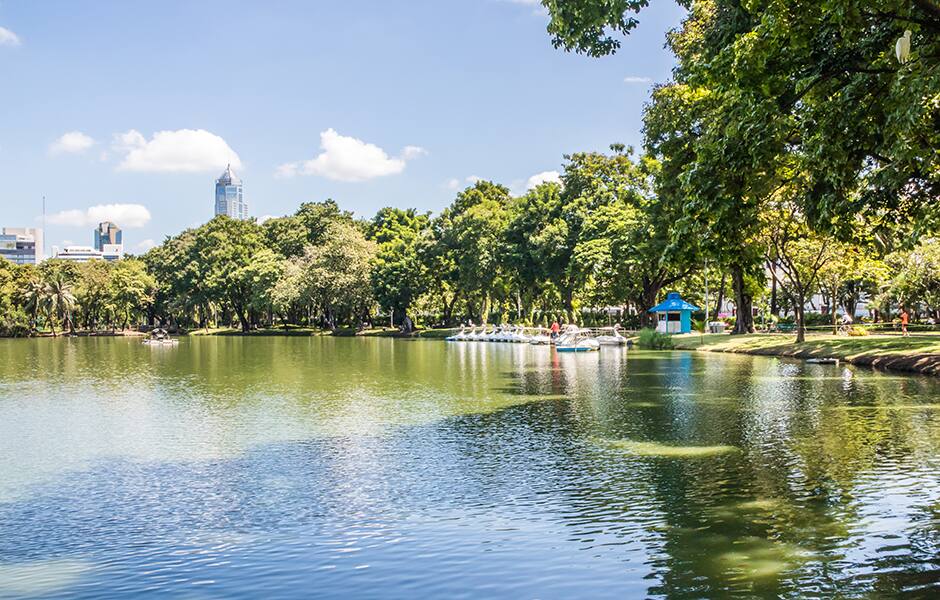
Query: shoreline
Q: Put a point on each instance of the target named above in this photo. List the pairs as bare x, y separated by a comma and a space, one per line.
917, 354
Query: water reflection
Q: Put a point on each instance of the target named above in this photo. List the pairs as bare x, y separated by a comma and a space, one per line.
240, 467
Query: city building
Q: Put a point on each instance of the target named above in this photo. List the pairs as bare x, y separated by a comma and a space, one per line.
228, 196
81, 254
21, 245
107, 233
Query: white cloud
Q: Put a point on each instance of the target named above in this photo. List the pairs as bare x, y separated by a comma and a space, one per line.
145, 245
636, 79
72, 142
123, 215
182, 151
453, 184
264, 218
412, 152
8, 38
540, 178
287, 170
346, 158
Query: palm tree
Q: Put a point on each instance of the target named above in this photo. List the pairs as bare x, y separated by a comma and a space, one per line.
59, 301
34, 299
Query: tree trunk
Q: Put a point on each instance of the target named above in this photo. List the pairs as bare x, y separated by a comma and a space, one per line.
850, 304
721, 294
569, 305
485, 309
833, 311
800, 327
773, 293
648, 301
744, 320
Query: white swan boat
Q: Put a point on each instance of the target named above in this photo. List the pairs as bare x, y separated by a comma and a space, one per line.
575, 340
614, 339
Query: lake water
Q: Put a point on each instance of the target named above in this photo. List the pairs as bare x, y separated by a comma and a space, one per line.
300, 467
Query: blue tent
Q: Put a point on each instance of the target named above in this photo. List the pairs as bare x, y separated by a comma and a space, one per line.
674, 314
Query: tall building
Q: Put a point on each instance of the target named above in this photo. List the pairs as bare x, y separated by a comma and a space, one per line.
107, 233
21, 245
228, 196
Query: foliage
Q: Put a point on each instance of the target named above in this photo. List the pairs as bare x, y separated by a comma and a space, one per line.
651, 339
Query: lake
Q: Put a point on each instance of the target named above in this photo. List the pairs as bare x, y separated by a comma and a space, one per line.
341, 467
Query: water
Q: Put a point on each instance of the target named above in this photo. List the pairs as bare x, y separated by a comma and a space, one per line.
298, 467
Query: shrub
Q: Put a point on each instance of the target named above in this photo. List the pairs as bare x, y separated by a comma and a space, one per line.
15, 324
857, 331
651, 339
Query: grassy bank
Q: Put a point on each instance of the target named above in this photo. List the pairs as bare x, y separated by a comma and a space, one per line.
917, 353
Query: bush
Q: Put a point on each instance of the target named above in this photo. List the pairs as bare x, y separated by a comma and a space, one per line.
857, 331
651, 339
15, 324
811, 319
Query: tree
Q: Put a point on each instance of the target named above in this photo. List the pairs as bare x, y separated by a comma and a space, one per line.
477, 220
131, 289
220, 263
337, 274
799, 254
59, 300
399, 276
916, 278
851, 273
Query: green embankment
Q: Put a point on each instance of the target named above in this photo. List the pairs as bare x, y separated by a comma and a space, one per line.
918, 353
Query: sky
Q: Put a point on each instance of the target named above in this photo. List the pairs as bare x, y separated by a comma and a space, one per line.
128, 111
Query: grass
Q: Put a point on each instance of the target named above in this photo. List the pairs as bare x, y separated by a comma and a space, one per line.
919, 352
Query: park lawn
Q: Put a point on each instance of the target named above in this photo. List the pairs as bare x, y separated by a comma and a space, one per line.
919, 352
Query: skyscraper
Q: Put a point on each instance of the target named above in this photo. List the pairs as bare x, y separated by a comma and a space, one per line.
107, 233
228, 196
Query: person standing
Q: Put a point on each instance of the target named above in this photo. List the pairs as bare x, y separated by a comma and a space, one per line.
905, 318
555, 328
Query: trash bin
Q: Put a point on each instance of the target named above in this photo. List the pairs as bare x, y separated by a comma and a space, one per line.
716, 327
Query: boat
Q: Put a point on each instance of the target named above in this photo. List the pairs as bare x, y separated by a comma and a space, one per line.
160, 337
611, 340
540, 338
823, 361
459, 336
575, 340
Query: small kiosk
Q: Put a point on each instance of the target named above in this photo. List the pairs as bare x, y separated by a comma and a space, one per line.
674, 315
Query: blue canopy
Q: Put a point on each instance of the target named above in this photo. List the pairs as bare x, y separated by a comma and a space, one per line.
673, 303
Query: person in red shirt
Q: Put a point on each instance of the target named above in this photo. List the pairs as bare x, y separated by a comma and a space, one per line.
555, 328
904, 320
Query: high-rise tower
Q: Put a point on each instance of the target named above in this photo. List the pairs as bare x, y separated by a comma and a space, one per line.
228, 195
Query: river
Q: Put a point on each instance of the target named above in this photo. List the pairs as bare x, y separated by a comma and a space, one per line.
339, 467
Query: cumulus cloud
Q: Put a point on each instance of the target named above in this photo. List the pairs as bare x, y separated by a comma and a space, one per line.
636, 79
123, 215
543, 177
72, 142
181, 151
8, 38
345, 158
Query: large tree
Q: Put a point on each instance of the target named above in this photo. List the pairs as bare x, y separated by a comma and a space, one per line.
399, 276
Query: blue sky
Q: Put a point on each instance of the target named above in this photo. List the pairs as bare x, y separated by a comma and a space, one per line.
371, 103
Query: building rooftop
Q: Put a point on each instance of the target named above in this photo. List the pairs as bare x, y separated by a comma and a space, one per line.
229, 177
673, 303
